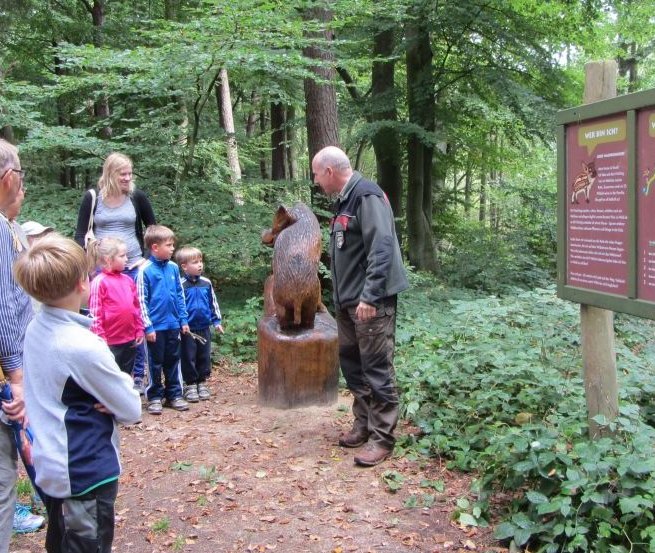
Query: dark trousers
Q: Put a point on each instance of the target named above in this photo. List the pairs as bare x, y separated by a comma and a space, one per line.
125, 355
366, 355
164, 357
82, 524
196, 357
138, 371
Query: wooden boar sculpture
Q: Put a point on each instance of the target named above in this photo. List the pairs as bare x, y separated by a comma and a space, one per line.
297, 347
294, 285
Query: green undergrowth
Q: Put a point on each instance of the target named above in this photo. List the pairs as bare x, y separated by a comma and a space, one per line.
495, 386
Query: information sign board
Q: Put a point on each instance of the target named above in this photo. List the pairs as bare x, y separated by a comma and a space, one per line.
606, 197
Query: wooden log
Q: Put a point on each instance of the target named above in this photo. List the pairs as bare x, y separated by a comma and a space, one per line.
297, 367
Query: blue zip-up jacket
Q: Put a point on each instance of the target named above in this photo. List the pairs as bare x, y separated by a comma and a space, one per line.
161, 296
201, 302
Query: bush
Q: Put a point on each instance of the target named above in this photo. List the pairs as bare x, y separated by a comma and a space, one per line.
495, 386
473, 256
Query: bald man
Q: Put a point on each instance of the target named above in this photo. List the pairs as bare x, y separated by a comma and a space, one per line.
367, 274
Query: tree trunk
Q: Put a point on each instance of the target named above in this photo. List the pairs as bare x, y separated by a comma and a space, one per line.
219, 103
251, 120
100, 106
468, 187
291, 146
420, 103
320, 95
278, 147
263, 128
482, 215
232, 150
385, 141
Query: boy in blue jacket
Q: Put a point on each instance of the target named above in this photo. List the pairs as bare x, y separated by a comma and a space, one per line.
75, 396
204, 313
164, 314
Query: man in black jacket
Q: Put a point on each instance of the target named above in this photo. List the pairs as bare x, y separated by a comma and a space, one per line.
367, 274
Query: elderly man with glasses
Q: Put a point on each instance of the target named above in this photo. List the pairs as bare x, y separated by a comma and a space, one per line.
15, 314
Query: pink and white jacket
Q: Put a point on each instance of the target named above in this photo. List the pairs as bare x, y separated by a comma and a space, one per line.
114, 305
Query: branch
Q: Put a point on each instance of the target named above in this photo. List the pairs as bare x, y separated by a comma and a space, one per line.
88, 6
350, 83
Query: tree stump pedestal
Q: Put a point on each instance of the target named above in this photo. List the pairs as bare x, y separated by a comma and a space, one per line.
297, 367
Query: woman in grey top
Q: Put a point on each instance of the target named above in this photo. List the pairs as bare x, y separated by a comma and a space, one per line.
120, 211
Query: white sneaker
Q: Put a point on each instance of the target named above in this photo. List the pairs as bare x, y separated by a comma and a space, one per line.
25, 521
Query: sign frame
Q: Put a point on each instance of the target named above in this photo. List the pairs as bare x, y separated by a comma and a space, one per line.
626, 106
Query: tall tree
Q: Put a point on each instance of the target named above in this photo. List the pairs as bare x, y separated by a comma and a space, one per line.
278, 147
321, 115
420, 105
385, 141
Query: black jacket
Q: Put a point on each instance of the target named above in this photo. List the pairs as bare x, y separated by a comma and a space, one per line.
366, 260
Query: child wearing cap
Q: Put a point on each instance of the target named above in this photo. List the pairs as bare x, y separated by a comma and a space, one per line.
34, 231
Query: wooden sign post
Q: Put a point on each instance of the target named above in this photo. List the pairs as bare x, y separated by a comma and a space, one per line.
596, 324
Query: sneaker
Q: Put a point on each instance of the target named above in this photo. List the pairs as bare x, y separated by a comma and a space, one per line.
178, 404
138, 385
354, 438
154, 407
191, 393
25, 521
372, 455
203, 391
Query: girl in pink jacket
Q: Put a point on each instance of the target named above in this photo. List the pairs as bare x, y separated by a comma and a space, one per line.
113, 302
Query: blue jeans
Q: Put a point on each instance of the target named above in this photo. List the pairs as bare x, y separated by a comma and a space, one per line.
164, 357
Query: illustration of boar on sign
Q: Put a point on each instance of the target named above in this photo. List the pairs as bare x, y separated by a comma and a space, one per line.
584, 181
294, 285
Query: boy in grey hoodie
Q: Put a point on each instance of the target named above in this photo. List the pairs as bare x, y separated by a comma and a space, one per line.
75, 396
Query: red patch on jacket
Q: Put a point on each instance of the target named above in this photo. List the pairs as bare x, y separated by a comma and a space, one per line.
342, 220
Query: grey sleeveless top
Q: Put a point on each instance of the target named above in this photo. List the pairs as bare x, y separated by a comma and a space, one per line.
118, 222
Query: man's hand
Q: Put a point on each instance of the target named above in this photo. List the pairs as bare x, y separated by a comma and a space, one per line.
219, 328
185, 329
365, 311
15, 408
138, 341
151, 336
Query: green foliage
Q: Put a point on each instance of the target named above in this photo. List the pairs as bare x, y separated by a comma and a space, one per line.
474, 256
495, 385
393, 480
24, 490
162, 525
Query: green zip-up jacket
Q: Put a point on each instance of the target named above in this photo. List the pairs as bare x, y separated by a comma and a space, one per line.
366, 260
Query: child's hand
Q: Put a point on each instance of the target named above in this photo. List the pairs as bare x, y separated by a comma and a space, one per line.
138, 341
185, 329
219, 328
102, 409
151, 336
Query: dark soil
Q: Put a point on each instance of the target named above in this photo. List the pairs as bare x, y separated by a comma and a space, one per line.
231, 476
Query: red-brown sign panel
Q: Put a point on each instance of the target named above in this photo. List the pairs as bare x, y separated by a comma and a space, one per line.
646, 205
597, 205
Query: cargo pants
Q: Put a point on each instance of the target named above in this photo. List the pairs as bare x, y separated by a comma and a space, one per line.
366, 352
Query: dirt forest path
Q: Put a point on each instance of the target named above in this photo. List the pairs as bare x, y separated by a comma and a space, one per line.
231, 476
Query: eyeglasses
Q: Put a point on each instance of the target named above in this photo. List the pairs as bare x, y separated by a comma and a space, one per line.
21, 172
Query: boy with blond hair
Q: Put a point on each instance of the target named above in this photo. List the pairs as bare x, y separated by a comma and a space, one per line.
204, 312
75, 395
164, 316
